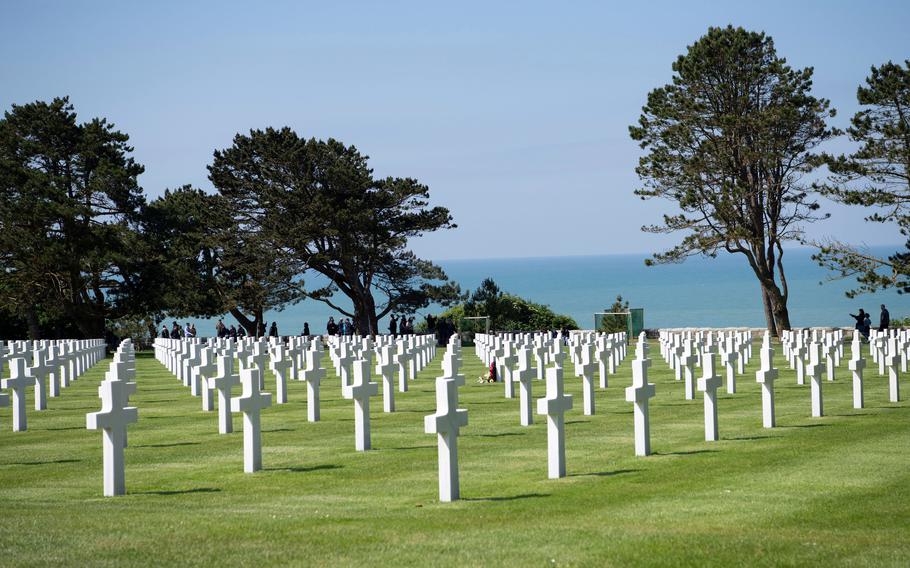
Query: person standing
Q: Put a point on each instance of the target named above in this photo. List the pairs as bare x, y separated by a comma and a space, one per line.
232, 332
273, 330
860, 319
393, 325
306, 329
884, 320
331, 328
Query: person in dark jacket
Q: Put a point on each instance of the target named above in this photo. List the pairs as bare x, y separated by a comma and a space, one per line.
884, 320
306, 329
860, 326
273, 330
393, 326
331, 328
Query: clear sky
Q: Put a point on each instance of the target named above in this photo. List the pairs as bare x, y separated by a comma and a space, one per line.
514, 113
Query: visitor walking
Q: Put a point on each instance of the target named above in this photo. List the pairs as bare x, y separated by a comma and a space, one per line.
273, 331
884, 320
175, 331
164, 332
232, 332
306, 329
331, 328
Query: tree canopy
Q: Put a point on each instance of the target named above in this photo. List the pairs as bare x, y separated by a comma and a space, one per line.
729, 142
70, 206
318, 203
877, 176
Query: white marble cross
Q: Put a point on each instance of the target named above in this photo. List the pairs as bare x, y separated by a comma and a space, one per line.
893, 363
201, 374
816, 369
586, 367
856, 365
403, 359
729, 358
281, 366
446, 424
313, 375
251, 403
223, 382
17, 382
40, 371
523, 376
638, 394
507, 363
344, 369
386, 369
708, 384
360, 392
766, 377
554, 407
113, 419
688, 364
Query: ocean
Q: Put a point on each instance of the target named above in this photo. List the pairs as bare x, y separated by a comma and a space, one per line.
701, 292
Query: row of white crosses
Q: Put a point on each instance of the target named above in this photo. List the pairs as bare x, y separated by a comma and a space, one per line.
512, 352
683, 351
42, 364
207, 366
115, 415
819, 352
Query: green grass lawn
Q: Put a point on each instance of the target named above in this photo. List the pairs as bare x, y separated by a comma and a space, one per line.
810, 492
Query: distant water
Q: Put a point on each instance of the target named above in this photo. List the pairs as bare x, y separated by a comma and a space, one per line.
706, 292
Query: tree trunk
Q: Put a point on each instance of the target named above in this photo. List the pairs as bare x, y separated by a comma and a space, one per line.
31, 317
365, 314
251, 326
778, 306
769, 313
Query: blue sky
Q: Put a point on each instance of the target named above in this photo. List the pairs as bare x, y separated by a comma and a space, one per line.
514, 113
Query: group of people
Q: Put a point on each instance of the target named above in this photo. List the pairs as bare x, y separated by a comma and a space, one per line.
403, 326
864, 321
176, 332
343, 327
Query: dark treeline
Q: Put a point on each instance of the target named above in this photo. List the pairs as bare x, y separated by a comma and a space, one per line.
82, 247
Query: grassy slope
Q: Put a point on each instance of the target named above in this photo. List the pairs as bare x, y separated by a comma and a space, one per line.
813, 491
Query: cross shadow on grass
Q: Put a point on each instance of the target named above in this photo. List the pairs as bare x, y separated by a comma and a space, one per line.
689, 453
604, 473
178, 491
46, 462
509, 498
577, 422
172, 445
805, 426
742, 438
410, 447
66, 428
500, 435
279, 430
300, 469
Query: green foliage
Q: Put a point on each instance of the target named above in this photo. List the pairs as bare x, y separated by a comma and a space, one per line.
218, 258
507, 312
70, 205
318, 202
876, 176
612, 323
729, 142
